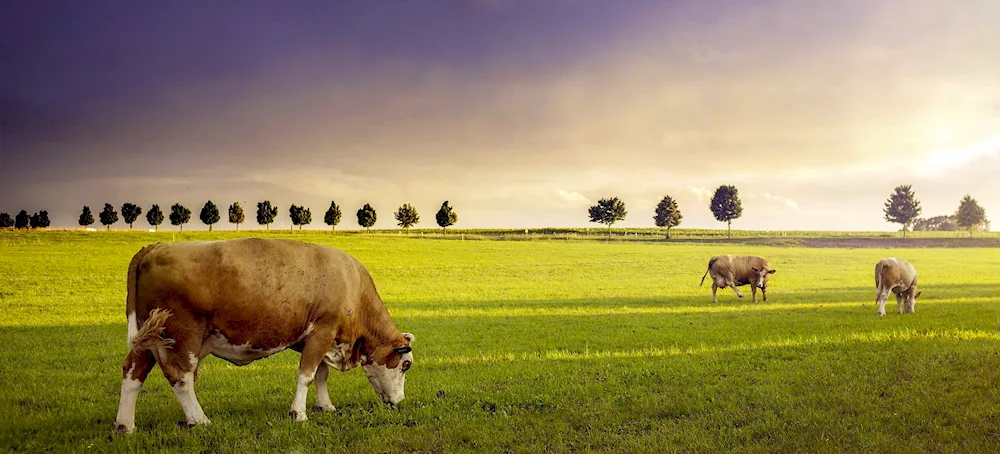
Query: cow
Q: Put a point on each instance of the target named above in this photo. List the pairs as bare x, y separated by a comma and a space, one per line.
897, 276
246, 299
735, 270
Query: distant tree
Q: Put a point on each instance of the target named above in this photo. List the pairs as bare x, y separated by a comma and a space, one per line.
109, 215
266, 213
22, 220
970, 214
936, 223
446, 216
236, 215
39, 220
6, 221
154, 217
608, 211
209, 214
902, 207
299, 215
86, 217
726, 206
179, 215
332, 217
406, 216
667, 214
366, 216
130, 212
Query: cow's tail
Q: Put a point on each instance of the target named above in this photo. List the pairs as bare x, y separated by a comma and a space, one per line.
710, 263
148, 336
878, 275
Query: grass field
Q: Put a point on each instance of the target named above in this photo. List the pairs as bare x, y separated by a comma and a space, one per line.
535, 345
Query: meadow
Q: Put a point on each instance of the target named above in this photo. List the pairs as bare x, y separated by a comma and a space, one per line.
529, 346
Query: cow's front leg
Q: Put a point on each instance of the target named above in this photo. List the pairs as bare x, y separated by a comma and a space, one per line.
899, 302
753, 292
322, 394
315, 348
763, 294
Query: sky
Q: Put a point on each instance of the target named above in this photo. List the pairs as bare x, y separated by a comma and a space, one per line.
520, 113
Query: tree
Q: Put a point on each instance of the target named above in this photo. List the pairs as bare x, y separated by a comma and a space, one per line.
236, 215
209, 214
266, 213
407, 216
154, 217
22, 220
366, 216
446, 216
86, 217
6, 221
109, 215
970, 214
39, 220
608, 211
902, 207
179, 215
726, 206
936, 223
300, 215
667, 214
130, 212
332, 217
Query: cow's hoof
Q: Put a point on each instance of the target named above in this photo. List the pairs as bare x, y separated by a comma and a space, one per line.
195, 423
298, 415
881, 314
325, 408
127, 430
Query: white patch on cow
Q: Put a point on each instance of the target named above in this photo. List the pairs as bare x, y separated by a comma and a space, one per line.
337, 357
133, 328
299, 403
241, 355
323, 402
126, 405
388, 383
184, 390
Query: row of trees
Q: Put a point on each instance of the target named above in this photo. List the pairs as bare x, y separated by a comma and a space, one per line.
406, 216
725, 205
902, 207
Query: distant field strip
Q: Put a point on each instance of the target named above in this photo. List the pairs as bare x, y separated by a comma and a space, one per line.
528, 311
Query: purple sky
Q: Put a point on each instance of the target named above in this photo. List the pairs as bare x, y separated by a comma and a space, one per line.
521, 113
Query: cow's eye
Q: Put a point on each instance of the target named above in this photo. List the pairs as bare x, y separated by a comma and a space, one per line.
406, 365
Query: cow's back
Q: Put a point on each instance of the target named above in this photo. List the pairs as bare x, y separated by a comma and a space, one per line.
894, 273
251, 290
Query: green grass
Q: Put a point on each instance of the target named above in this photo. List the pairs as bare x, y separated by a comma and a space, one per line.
538, 345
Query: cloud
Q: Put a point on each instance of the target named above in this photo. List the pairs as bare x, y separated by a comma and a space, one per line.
783, 200
574, 198
701, 193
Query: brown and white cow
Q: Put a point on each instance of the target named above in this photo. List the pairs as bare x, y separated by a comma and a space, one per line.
897, 276
735, 270
242, 300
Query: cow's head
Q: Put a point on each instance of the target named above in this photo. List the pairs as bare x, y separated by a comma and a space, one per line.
910, 302
386, 368
760, 277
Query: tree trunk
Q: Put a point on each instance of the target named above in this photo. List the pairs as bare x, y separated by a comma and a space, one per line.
267, 226
237, 226
609, 232
668, 233
300, 227
130, 227
904, 231
156, 228
209, 227
182, 227
729, 229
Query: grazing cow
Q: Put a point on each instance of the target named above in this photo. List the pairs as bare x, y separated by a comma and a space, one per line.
736, 270
897, 276
245, 299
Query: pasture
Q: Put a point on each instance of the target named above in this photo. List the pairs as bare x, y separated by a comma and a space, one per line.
535, 345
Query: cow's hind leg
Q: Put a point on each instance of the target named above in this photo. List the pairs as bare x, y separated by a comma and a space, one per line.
134, 372
322, 394
316, 346
179, 364
880, 299
715, 288
732, 283
899, 302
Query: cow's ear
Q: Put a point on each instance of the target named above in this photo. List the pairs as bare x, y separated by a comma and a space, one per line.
755, 270
772, 271
409, 337
917, 295
357, 351
403, 350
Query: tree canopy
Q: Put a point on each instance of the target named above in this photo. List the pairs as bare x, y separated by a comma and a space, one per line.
608, 211
86, 217
154, 217
726, 206
406, 216
300, 215
179, 215
667, 214
209, 214
6, 221
970, 214
446, 216
109, 215
236, 215
39, 220
332, 216
902, 207
366, 216
130, 212
22, 220
266, 213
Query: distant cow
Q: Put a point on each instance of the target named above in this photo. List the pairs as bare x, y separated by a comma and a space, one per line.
245, 299
736, 270
897, 276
